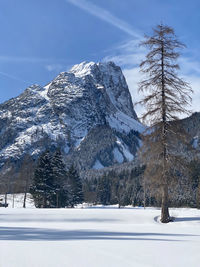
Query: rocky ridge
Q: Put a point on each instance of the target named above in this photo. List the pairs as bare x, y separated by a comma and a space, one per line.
88, 112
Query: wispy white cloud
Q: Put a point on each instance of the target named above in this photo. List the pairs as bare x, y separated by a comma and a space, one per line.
105, 15
129, 55
13, 77
22, 59
189, 65
46, 63
54, 67
194, 81
133, 77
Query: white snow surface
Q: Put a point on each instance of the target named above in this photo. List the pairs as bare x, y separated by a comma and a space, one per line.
44, 92
195, 142
118, 155
82, 69
98, 237
125, 150
123, 123
97, 165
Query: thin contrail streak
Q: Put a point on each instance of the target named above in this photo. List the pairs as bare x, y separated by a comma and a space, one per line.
105, 15
13, 77
28, 59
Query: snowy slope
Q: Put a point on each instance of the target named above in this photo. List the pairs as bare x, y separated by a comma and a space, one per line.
98, 237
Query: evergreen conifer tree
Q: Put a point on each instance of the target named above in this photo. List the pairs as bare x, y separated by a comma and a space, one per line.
76, 191
42, 187
59, 180
104, 191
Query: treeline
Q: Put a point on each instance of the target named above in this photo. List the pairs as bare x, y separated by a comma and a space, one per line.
114, 188
130, 188
52, 185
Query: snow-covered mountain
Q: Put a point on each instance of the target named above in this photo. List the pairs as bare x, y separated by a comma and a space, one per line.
88, 112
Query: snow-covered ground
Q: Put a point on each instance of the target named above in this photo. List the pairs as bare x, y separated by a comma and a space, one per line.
98, 237
17, 200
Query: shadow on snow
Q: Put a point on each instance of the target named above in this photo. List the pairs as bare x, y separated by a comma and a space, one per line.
187, 219
53, 218
37, 234
180, 219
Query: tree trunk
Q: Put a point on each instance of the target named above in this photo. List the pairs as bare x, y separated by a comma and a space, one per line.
13, 201
57, 197
25, 193
144, 200
24, 203
164, 209
44, 201
6, 200
165, 218
198, 197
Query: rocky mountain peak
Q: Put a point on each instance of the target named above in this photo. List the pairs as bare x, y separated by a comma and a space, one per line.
66, 113
109, 77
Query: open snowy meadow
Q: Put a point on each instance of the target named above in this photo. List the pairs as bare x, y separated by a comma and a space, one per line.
98, 237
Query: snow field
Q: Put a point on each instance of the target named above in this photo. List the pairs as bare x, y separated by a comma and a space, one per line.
98, 237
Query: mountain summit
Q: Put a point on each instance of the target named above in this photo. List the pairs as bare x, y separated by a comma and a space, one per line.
88, 112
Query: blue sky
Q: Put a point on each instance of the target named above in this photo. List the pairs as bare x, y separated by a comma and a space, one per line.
40, 38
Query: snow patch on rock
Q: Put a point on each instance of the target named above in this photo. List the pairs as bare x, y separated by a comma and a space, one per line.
82, 69
125, 150
195, 142
123, 123
97, 165
118, 155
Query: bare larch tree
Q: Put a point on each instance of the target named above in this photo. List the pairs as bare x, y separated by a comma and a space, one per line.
165, 97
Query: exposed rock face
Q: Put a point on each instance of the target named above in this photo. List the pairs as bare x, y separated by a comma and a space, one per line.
192, 127
88, 112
